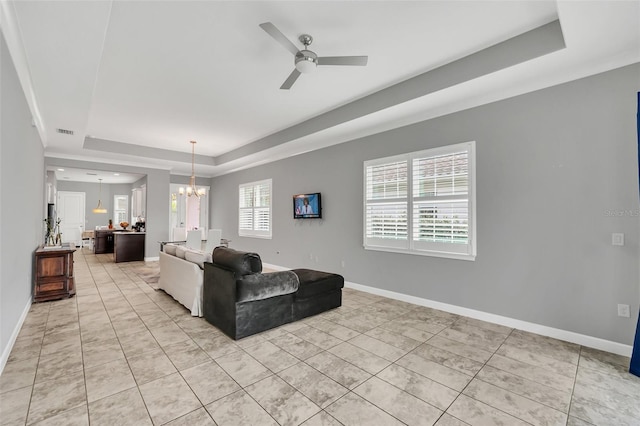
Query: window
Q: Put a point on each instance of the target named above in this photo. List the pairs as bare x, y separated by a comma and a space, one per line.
254, 217
120, 203
422, 202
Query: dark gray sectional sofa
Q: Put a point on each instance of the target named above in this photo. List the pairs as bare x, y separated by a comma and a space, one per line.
240, 300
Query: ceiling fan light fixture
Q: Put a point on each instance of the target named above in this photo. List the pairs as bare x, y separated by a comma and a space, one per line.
306, 63
305, 60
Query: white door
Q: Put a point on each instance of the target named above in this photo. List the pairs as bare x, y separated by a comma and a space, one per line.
71, 210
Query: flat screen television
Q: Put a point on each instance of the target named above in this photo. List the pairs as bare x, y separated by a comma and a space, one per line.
307, 206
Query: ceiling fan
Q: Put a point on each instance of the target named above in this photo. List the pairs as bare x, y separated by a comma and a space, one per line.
306, 60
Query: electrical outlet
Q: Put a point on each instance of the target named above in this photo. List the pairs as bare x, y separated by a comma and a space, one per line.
623, 311
617, 239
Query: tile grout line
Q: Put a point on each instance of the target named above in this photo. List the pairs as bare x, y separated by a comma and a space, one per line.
516, 393
35, 374
121, 348
128, 289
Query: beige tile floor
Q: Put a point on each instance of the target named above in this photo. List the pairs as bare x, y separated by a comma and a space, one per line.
122, 353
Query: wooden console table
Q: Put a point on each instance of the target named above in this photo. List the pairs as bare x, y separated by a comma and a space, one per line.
54, 273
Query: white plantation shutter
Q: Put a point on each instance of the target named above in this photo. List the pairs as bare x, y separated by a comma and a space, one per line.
254, 212
386, 187
427, 195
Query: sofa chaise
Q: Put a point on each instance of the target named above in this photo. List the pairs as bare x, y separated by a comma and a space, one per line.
240, 300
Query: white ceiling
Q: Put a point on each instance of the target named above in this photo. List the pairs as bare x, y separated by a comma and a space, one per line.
142, 79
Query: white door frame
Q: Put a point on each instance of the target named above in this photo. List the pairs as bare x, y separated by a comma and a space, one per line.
72, 233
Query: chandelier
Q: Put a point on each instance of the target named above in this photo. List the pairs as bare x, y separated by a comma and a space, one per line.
99, 208
191, 189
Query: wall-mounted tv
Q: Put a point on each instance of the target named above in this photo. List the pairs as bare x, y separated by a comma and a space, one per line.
307, 206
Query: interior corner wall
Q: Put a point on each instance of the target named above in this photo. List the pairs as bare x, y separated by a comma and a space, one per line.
557, 174
23, 207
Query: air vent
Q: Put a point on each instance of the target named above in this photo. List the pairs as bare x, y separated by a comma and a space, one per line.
65, 131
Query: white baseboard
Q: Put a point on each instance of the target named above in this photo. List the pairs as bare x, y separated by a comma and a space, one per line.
14, 336
152, 259
556, 333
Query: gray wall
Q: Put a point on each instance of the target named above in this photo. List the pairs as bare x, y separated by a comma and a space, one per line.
550, 165
92, 191
23, 205
157, 220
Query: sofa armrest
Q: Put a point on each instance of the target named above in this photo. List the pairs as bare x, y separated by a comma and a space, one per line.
242, 263
263, 286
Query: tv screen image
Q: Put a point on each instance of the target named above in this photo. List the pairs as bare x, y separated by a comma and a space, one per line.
307, 206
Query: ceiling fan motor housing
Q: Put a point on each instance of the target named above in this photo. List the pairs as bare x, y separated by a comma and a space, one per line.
306, 61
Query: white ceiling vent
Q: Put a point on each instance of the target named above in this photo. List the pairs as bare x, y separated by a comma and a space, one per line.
65, 131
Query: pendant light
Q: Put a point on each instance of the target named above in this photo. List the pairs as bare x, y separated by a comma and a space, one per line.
191, 189
99, 208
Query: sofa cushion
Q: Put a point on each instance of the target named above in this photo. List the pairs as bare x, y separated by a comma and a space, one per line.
180, 251
197, 257
242, 263
170, 249
313, 282
262, 286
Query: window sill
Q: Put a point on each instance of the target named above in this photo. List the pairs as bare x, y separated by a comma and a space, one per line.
446, 255
263, 237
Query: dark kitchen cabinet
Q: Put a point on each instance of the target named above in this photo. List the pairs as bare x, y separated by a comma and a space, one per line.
103, 241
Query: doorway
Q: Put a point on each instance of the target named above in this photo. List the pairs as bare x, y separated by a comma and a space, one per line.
71, 211
188, 212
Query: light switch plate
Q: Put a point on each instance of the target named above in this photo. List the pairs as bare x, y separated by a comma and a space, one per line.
617, 239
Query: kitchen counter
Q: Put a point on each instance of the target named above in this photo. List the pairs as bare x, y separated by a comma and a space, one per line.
128, 246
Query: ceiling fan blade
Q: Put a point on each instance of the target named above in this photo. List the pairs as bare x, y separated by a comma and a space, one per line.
279, 37
290, 80
343, 60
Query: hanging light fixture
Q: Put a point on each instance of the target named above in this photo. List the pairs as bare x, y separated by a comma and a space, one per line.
191, 189
99, 208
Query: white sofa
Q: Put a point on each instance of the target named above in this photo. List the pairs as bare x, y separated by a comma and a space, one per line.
182, 275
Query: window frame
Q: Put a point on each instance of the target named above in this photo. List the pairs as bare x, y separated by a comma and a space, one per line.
409, 245
256, 233
125, 210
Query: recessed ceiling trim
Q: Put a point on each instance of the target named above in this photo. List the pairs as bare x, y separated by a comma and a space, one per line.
59, 158
98, 144
532, 44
